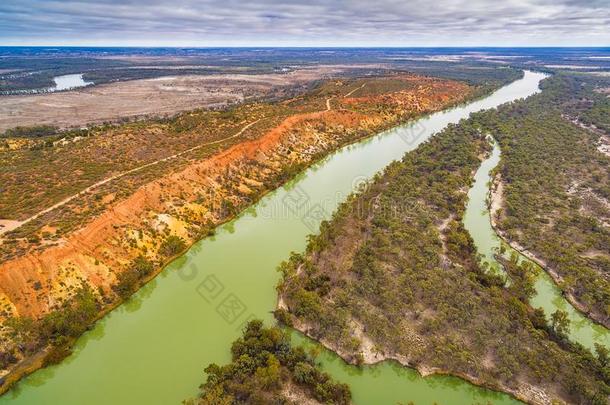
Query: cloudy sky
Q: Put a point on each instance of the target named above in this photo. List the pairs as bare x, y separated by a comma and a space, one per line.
305, 22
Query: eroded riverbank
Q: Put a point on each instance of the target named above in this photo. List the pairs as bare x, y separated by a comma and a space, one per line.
183, 321
185, 205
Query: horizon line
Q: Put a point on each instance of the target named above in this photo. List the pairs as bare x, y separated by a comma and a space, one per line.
318, 46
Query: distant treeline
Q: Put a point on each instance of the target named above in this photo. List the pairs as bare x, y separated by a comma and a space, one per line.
37, 131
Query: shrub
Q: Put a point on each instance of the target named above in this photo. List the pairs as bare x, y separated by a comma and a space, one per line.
263, 361
30, 132
139, 268
172, 245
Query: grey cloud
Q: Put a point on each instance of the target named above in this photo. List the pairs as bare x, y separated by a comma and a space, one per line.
313, 22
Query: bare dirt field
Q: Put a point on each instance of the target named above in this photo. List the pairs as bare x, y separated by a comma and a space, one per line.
163, 95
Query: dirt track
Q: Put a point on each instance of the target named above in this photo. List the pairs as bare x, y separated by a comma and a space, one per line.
8, 225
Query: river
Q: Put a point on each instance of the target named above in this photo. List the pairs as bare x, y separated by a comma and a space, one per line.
548, 296
153, 348
64, 82
69, 82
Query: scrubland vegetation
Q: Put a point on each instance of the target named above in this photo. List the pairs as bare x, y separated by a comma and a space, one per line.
557, 184
94, 154
30, 132
394, 274
166, 207
265, 369
54, 332
34, 69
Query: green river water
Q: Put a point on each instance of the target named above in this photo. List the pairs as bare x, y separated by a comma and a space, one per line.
548, 296
153, 349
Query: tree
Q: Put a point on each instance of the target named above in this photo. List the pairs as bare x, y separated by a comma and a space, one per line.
538, 319
269, 378
172, 245
303, 373
142, 265
560, 323
603, 355
263, 362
